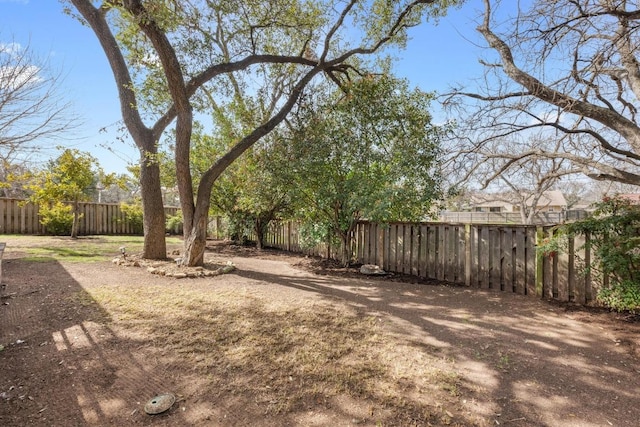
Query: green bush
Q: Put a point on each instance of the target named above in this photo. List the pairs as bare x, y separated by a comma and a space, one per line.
623, 296
133, 216
240, 227
312, 235
57, 218
174, 223
614, 230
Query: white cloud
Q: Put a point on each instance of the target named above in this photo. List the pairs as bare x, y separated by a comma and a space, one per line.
10, 48
12, 78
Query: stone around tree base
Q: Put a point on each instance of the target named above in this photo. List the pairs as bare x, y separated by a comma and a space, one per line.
170, 268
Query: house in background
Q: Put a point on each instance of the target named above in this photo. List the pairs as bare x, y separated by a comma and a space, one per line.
507, 208
549, 201
492, 206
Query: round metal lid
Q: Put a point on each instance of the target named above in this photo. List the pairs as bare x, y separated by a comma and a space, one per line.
159, 404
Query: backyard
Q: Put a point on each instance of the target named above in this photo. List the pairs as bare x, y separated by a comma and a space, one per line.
287, 340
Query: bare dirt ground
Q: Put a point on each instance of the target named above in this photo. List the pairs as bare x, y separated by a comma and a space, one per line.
292, 341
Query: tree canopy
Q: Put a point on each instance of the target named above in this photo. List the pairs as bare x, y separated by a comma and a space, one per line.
565, 72
166, 57
365, 154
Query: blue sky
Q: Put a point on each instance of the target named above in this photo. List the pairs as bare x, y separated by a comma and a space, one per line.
436, 57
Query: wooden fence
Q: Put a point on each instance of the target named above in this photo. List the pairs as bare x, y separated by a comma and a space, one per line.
486, 256
20, 217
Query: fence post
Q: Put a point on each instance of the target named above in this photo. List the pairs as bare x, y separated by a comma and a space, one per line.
467, 254
539, 263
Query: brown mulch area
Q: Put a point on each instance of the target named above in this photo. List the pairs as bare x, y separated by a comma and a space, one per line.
498, 359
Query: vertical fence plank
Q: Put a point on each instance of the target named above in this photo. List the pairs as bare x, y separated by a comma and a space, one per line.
432, 244
495, 261
439, 249
579, 292
415, 249
530, 257
402, 247
380, 248
588, 284
483, 257
15, 217
540, 279
393, 247
565, 291
3, 216
467, 254
362, 240
521, 261
506, 259
447, 254
461, 254
422, 259
376, 244
407, 246
474, 262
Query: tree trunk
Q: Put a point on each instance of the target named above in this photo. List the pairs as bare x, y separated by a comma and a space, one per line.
195, 237
155, 246
146, 139
76, 220
345, 241
260, 227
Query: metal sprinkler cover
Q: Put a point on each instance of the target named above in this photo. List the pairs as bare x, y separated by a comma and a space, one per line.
159, 404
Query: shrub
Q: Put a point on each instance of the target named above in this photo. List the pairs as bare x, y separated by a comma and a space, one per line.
240, 227
311, 235
133, 216
614, 230
57, 218
624, 296
174, 223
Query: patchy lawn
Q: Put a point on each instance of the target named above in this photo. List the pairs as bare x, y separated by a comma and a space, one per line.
291, 341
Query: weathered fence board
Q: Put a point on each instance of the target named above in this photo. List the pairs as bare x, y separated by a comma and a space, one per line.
20, 217
486, 256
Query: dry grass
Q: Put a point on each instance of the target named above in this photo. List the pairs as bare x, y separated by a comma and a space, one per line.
265, 353
287, 358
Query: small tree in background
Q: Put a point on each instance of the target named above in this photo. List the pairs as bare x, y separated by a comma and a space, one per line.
71, 177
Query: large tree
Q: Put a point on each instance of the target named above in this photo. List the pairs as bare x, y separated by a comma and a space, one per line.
356, 158
187, 45
565, 72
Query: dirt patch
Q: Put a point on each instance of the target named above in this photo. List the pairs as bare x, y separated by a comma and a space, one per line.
287, 340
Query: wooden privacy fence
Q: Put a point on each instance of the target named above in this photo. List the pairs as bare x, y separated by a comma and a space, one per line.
486, 256
20, 217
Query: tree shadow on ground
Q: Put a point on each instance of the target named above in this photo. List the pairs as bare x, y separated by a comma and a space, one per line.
58, 365
517, 361
270, 345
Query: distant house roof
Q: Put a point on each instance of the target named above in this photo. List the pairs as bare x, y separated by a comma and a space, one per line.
550, 198
480, 200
